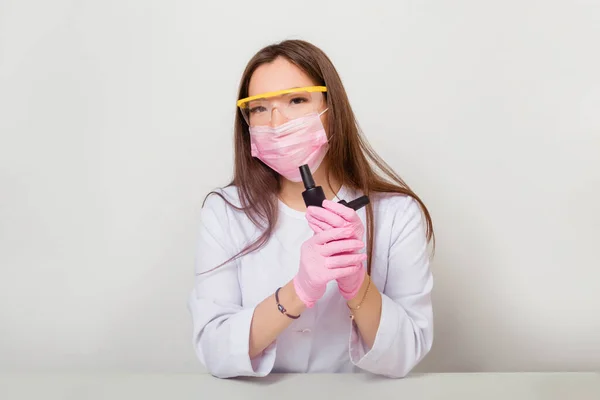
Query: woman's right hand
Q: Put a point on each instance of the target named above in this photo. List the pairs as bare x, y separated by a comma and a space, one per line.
324, 257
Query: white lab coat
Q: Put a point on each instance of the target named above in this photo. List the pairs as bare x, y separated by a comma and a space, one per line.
323, 339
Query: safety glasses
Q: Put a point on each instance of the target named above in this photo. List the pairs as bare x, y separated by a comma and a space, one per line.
290, 103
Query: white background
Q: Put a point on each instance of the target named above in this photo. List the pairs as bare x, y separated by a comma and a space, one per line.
116, 119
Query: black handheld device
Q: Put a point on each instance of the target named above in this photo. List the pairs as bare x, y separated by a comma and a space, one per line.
314, 195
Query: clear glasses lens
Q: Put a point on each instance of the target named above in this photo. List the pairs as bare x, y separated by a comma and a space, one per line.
292, 105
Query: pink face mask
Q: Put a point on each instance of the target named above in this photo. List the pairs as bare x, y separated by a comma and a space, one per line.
286, 147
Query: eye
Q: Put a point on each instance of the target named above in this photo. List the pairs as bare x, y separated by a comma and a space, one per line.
298, 100
257, 109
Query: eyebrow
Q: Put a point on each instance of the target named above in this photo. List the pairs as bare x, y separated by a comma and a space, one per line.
272, 91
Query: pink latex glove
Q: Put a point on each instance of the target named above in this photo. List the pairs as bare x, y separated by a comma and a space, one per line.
334, 216
326, 256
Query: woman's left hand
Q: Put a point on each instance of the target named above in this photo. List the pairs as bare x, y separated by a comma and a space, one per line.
335, 215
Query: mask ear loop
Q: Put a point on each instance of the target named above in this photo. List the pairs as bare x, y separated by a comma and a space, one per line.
328, 140
321, 113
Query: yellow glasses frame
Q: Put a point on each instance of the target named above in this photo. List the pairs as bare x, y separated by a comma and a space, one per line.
310, 89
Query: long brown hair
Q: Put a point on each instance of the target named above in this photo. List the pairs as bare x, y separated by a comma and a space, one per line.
350, 158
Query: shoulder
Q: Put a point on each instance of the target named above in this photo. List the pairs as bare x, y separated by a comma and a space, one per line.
223, 216
220, 206
219, 200
401, 214
394, 204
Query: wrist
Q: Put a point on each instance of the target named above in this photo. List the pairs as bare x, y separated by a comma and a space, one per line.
356, 296
288, 296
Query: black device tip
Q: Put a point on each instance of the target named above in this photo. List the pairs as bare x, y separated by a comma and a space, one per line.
307, 177
359, 203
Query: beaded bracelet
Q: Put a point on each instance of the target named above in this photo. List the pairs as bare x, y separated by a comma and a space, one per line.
282, 308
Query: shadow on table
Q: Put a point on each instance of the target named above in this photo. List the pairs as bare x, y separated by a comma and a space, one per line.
270, 379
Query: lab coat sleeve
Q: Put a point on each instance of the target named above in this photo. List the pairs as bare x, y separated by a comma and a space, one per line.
405, 332
221, 326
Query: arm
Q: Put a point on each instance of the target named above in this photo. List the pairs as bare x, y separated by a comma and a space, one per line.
234, 341
324, 257
367, 317
396, 324
268, 322
231, 340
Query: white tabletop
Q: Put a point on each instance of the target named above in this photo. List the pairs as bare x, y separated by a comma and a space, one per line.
513, 386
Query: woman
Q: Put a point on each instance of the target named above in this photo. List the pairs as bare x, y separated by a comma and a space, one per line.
283, 288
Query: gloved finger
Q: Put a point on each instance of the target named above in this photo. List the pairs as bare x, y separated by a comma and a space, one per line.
327, 216
317, 225
344, 260
341, 246
346, 213
339, 273
333, 234
315, 228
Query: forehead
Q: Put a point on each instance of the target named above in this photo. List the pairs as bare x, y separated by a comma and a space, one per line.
277, 75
